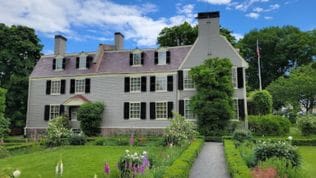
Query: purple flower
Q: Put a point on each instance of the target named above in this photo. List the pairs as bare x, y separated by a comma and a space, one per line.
107, 168
131, 140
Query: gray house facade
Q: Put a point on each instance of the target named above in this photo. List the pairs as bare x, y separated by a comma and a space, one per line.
140, 88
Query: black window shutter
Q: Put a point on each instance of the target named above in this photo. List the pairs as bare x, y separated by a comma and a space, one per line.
62, 86
126, 110
241, 108
170, 108
240, 77
144, 83
77, 62
142, 58
170, 83
168, 57
156, 57
64, 63
72, 85
152, 83
126, 84
54, 64
130, 59
48, 86
61, 109
88, 85
152, 110
46, 113
180, 80
181, 107
69, 112
143, 110
89, 61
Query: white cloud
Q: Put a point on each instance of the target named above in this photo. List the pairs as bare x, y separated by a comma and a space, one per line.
216, 2
268, 17
273, 7
258, 9
253, 15
59, 16
238, 36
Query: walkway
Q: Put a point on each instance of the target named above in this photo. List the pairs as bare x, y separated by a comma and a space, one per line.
210, 162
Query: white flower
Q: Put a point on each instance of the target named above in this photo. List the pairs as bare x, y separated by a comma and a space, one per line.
16, 173
57, 169
144, 153
126, 151
61, 167
95, 176
290, 138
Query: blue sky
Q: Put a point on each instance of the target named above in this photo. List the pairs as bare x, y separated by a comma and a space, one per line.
87, 23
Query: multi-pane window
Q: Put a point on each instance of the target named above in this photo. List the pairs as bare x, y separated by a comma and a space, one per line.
137, 59
161, 110
161, 83
187, 110
187, 80
135, 84
234, 77
80, 86
55, 87
54, 111
134, 110
236, 108
82, 62
162, 57
59, 63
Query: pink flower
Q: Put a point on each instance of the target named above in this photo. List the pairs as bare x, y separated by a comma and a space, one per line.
107, 168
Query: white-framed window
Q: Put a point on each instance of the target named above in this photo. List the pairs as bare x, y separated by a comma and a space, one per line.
134, 110
82, 62
161, 110
55, 87
162, 57
187, 80
54, 111
236, 108
161, 83
137, 59
80, 85
234, 77
135, 85
187, 110
59, 63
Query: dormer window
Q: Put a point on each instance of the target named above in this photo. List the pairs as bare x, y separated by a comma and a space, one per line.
136, 58
162, 56
59, 63
83, 61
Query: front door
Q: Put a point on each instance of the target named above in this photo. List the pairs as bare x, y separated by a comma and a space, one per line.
73, 113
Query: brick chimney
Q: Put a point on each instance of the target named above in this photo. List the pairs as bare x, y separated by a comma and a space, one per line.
118, 41
60, 45
208, 23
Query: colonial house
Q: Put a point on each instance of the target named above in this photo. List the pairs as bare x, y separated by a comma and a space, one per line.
140, 87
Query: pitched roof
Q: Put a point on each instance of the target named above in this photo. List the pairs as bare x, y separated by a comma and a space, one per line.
112, 62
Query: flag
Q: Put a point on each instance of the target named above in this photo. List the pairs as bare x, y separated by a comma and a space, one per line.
258, 49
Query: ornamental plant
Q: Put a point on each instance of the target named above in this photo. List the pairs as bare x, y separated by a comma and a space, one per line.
307, 124
131, 165
57, 132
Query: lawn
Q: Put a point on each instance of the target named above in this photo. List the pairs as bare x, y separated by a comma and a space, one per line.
84, 161
308, 154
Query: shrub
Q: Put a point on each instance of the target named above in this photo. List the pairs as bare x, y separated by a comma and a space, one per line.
180, 131
304, 142
112, 141
4, 122
236, 165
90, 117
57, 132
269, 125
260, 103
280, 149
307, 124
182, 165
242, 135
4, 152
247, 153
77, 139
132, 164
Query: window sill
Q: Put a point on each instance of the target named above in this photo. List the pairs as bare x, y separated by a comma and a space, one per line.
135, 119
135, 91
138, 65
58, 70
82, 68
79, 93
189, 89
161, 91
55, 94
161, 119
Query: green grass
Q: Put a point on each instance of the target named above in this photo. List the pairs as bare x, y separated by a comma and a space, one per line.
83, 161
308, 154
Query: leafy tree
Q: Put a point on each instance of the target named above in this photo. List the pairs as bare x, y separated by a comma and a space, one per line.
212, 103
260, 103
185, 34
281, 48
89, 115
19, 51
4, 123
298, 89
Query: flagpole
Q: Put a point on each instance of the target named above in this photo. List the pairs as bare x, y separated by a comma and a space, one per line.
259, 68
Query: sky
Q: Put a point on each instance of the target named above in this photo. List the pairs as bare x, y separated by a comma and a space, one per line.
87, 23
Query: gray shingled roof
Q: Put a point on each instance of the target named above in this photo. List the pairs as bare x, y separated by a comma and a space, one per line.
113, 62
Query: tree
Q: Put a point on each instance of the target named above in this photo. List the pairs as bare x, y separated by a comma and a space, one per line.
298, 89
260, 102
89, 115
185, 34
19, 51
281, 49
212, 103
4, 123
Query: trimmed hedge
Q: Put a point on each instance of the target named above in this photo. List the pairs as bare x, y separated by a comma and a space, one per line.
236, 165
272, 125
181, 166
304, 142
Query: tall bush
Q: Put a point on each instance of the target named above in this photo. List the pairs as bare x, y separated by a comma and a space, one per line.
4, 123
212, 103
307, 124
260, 103
269, 125
58, 132
90, 117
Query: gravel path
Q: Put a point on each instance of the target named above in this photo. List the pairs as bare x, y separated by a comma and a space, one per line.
210, 162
